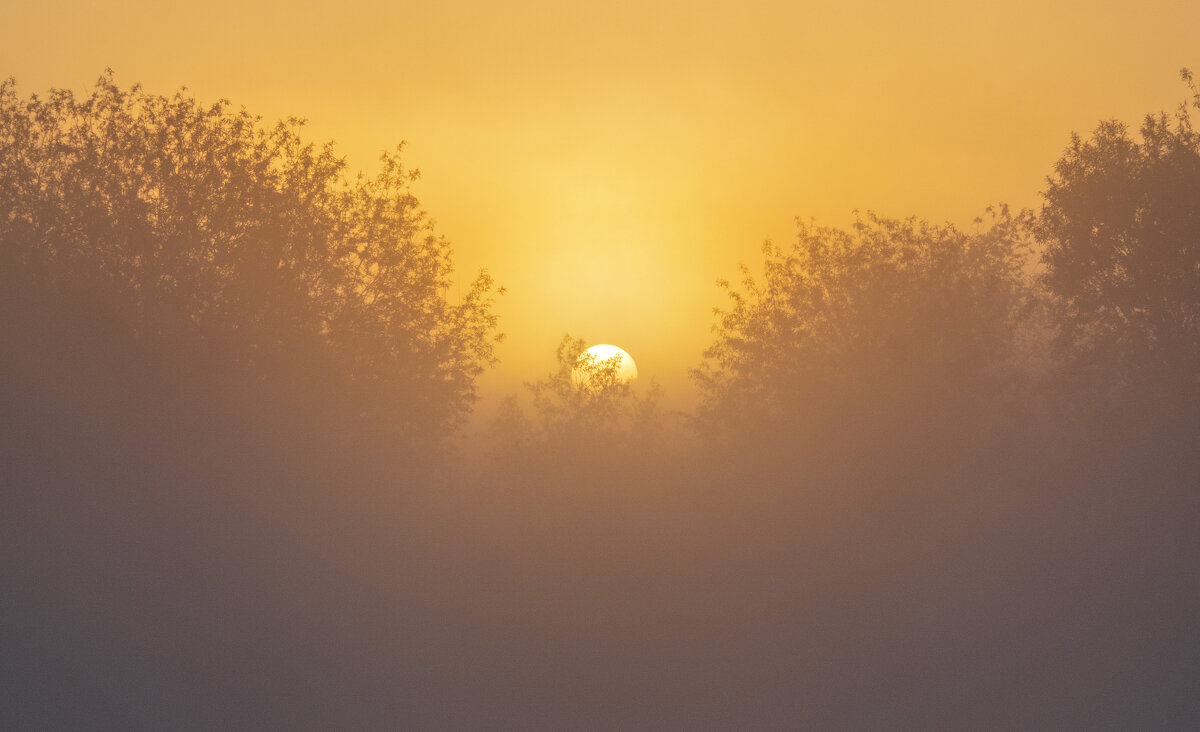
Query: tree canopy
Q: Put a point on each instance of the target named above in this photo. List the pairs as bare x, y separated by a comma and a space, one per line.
200, 225
582, 413
1120, 229
892, 314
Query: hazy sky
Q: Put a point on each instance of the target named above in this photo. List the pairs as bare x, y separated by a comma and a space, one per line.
609, 161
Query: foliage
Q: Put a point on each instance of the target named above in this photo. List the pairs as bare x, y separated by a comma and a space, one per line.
898, 314
199, 225
582, 406
1121, 231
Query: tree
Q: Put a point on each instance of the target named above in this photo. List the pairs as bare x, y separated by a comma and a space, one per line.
893, 319
240, 243
582, 411
1121, 231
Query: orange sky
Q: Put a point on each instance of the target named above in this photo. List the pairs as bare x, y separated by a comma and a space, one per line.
609, 161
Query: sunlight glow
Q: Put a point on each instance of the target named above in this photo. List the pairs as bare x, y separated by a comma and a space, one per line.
602, 353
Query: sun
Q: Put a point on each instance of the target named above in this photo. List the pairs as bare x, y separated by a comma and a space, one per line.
603, 355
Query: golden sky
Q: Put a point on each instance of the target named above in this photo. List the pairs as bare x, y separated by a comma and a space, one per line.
609, 161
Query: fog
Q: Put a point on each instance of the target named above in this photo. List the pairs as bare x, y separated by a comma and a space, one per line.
937, 478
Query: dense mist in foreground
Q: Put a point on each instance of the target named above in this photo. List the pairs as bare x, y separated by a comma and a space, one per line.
938, 478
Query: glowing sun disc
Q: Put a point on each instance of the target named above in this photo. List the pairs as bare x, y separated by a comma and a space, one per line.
626, 368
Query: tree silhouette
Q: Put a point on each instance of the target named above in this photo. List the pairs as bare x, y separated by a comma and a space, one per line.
1121, 231
582, 410
199, 226
894, 317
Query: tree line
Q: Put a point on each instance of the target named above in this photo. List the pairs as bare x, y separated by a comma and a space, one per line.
225, 245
